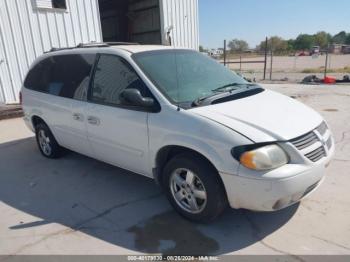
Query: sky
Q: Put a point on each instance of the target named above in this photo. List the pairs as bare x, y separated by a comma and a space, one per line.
253, 20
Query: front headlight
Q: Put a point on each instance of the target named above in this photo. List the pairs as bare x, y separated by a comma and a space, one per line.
264, 158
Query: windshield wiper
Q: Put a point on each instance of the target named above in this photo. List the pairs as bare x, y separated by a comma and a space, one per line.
225, 87
223, 91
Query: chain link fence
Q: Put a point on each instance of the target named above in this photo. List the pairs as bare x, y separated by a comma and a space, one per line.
259, 66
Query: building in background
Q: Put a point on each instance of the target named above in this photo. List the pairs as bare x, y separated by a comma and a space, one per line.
28, 28
345, 49
335, 48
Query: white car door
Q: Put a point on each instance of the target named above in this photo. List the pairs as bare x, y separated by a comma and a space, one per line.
81, 67
117, 132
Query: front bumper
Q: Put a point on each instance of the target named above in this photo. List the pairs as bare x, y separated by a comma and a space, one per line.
276, 193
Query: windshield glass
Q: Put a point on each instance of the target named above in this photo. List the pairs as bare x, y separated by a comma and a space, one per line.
185, 75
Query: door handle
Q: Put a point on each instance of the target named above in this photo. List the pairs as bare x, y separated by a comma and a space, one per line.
94, 121
78, 117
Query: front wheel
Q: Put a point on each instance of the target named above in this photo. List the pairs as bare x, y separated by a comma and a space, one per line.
193, 188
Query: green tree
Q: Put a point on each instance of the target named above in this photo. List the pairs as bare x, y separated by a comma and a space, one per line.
340, 38
276, 44
347, 40
291, 45
201, 48
238, 46
322, 39
304, 42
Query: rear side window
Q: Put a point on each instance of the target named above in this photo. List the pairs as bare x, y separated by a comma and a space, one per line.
113, 75
38, 77
65, 76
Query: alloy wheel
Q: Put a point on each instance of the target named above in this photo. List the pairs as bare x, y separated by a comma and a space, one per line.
188, 190
44, 142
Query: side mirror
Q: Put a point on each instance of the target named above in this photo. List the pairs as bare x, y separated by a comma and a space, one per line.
134, 97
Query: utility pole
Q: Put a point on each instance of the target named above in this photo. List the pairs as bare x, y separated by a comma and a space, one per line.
271, 62
326, 65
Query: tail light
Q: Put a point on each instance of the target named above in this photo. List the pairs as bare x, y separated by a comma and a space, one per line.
20, 98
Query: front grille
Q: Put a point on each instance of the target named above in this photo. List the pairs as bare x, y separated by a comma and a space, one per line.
317, 154
318, 135
305, 140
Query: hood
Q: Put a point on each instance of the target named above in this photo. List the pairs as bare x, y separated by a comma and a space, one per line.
265, 117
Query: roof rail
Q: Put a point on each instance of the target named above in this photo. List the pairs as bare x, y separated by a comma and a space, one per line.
121, 43
104, 44
54, 49
91, 45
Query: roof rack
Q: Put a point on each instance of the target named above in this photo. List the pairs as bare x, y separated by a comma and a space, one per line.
55, 49
121, 43
104, 44
91, 45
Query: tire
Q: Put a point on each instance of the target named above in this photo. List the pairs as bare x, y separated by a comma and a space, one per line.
47, 143
203, 200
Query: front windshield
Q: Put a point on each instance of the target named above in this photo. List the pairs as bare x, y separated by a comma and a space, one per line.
186, 75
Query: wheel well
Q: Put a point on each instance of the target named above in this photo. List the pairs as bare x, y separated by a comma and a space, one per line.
37, 120
167, 153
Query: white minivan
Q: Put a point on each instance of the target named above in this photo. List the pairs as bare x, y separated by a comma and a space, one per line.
207, 136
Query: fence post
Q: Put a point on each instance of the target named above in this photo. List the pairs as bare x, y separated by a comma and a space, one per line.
240, 64
224, 52
326, 65
265, 64
271, 63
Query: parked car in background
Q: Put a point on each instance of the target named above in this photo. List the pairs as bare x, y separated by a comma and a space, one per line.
315, 50
302, 53
206, 135
216, 53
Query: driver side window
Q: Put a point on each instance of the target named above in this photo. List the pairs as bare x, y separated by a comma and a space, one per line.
112, 76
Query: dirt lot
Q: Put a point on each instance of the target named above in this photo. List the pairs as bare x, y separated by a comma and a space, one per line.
299, 63
77, 205
293, 67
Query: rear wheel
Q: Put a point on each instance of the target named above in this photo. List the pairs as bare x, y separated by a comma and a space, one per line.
47, 143
193, 188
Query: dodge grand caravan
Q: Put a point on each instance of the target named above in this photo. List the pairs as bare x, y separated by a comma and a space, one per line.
207, 136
